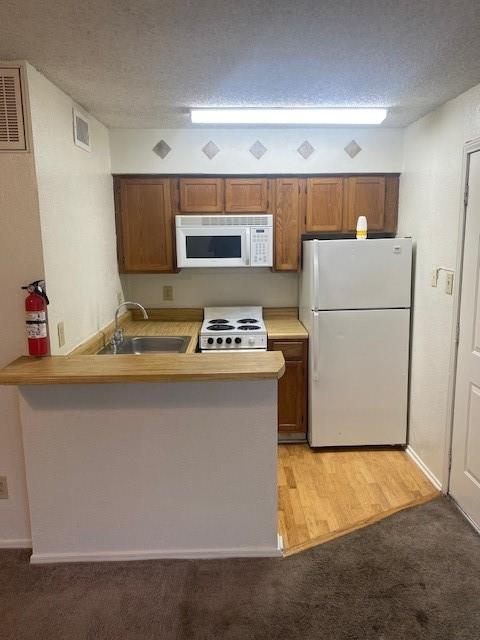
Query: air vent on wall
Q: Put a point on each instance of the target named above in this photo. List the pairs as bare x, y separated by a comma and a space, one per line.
81, 130
12, 125
223, 221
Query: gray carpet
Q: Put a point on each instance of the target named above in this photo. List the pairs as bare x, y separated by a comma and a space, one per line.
412, 576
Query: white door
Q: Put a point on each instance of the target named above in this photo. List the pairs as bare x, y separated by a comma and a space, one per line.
362, 274
358, 377
465, 472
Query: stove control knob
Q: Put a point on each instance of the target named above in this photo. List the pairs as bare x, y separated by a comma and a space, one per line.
228, 340
219, 340
251, 341
238, 340
210, 341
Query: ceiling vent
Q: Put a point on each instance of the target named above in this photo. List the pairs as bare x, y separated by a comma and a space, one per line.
12, 124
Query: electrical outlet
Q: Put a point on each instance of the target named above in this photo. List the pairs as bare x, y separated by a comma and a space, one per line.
449, 283
119, 297
3, 487
168, 293
61, 333
434, 278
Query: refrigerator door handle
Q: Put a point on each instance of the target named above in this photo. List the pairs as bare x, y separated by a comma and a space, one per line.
315, 346
315, 277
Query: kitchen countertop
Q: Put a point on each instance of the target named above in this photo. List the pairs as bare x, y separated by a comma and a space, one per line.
281, 323
285, 328
178, 367
83, 366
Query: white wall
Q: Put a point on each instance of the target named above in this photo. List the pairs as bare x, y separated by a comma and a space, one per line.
20, 263
76, 209
132, 150
429, 210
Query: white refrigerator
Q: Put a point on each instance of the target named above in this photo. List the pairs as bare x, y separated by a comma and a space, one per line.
355, 303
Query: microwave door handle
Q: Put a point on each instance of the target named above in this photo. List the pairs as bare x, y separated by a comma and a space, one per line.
248, 239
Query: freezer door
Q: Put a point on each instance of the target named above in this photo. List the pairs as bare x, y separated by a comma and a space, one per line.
358, 377
360, 274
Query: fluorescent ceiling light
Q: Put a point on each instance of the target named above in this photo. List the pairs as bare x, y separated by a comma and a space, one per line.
288, 116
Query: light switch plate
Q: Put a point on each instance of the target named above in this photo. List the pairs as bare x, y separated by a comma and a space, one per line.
449, 283
434, 278
119, 297
61, 333
3, 487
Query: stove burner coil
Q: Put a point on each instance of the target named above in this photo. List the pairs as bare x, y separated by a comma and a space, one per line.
220, 327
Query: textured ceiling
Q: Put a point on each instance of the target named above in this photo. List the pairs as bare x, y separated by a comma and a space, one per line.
143, 63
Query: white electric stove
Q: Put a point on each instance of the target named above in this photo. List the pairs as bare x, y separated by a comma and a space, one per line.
233, 329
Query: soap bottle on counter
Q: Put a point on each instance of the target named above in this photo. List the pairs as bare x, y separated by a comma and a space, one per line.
362, 228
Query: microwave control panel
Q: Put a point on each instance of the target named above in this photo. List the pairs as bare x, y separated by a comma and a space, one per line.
261, 247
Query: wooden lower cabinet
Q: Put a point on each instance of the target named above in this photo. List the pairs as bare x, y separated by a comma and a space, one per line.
292, 389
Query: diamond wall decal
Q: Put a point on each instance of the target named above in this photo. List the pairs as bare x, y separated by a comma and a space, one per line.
305, 149
258, 149
353, 148
210, 150
162, 149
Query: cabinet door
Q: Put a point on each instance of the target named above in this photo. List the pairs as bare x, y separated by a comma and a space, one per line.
324, 204
201, 195
144, 225
292, 387
287, 225
365, 196
392, 184
246, 195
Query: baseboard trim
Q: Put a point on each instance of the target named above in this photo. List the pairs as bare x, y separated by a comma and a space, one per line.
280, 544
420, 463
16, 543
116, 556
471, 522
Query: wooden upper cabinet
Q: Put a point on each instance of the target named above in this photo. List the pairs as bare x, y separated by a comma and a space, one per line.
144, 225
365, 196
201, 195
247, 195
324, 204
287, 225
392, 185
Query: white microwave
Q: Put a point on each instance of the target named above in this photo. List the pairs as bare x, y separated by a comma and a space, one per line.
224, 241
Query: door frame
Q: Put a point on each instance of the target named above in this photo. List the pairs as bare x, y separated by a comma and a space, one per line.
468, 148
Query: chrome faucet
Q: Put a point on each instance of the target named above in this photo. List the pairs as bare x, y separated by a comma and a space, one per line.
117, 337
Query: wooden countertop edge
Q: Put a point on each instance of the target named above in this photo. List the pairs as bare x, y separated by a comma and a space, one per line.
86, 369
273, 335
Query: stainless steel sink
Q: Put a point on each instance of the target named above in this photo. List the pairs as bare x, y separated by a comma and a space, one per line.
139, 345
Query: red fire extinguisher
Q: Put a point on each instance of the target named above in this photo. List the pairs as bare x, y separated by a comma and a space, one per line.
36, 318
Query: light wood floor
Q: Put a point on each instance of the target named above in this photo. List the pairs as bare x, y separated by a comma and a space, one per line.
325, 494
